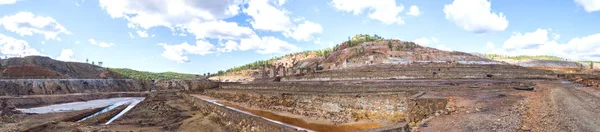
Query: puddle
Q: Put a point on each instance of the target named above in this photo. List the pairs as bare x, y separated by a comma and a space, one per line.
566, 82
296, 123
131, 105
74, 106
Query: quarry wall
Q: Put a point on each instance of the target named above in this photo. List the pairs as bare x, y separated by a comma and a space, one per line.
17, 87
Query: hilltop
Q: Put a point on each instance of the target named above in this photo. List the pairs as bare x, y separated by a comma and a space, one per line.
547, 62
46, 67
361, 50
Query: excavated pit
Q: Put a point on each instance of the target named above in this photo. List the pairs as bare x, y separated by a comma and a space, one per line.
371, 98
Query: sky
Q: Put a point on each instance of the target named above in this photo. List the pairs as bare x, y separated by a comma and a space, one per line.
199, 36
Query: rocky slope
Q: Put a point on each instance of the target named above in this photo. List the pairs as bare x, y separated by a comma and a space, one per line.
45, 67
16, 87
349, 56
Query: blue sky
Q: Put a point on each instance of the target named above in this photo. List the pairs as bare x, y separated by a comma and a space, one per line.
199, 36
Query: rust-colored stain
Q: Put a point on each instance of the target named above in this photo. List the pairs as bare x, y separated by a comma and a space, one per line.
308, 125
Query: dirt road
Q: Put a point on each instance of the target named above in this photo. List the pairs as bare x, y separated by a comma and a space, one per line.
578, 107
563, 107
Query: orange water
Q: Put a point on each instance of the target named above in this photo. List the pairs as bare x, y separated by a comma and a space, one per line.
322, 127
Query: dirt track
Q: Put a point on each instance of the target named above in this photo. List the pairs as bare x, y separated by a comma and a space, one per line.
578, 108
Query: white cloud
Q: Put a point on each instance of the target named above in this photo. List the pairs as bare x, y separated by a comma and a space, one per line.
8, 2
527, 40
147, 14
305, 31
13, 47
229, 46
66, 55
538, 43
413, 11
268, 17
131, 35
281, 2
219, 29
177, 52
43, 42
177, 15
589, 5
77, 42
475, 16
142, 34
26, 23
267, 45
101, 44
386, 11
426, 41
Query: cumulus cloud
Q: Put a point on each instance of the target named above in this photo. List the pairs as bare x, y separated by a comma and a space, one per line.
101, 44
413, 11
131, 35
426, 41
386, 11
26, 23
66, 55
142, 34
475, 16
219, 29
541, 42
589, 5
147, 14
178, 52
267, 45
14, 47
305, 31
177, 15
8, 2
228, 46
266, 16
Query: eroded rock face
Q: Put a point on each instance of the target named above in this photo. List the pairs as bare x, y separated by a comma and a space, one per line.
185, 84
16, 87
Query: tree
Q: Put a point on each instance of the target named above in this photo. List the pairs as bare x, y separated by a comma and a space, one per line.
390, 45
86, 61
93, 63
100, 63
591, 65
399, 47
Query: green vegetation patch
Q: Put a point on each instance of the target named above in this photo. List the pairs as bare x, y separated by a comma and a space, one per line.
129, 73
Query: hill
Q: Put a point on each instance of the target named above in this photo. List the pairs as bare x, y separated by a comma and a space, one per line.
129, 73
361, 50
547, 62
45, 67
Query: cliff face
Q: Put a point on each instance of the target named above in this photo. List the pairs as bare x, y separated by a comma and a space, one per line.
16, 87
185, 84
12, 87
